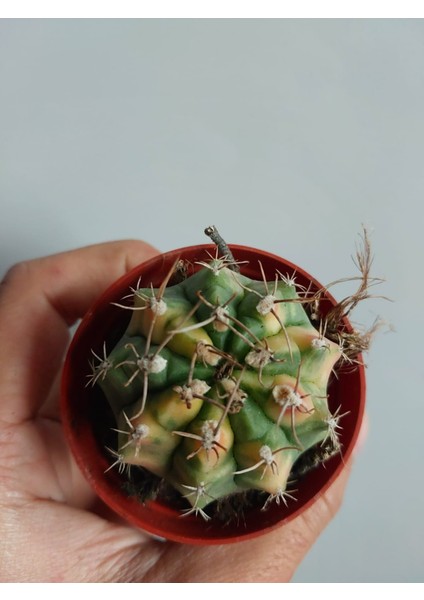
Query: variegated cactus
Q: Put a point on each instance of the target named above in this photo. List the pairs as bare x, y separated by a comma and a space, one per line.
219, 383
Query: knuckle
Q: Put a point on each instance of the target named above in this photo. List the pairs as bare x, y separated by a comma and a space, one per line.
16, 272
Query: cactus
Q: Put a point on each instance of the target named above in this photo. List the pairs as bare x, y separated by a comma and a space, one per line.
219, 384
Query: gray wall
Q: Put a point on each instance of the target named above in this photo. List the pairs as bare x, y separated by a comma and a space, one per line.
288, 135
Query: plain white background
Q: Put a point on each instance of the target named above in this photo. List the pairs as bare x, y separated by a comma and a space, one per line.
286, 134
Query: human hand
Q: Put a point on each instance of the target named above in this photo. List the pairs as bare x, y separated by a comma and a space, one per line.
52, 526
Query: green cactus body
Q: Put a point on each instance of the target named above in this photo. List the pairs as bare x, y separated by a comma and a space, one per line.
219, 384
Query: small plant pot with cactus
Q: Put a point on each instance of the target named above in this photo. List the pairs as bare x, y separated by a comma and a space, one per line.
215, 392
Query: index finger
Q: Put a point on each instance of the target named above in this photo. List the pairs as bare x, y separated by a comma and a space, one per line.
39, 300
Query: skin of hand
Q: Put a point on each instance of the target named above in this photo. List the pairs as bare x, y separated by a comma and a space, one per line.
52, 526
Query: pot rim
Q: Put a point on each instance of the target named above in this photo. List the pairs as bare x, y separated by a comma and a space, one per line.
155, 518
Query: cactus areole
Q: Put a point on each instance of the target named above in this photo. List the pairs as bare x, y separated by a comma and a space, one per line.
204, 391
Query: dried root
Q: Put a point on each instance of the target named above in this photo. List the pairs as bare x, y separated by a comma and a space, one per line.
352, 342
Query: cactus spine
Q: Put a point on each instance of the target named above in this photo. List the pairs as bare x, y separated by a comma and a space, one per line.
219, 383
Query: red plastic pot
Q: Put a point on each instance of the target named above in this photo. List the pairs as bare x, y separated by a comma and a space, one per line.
82, 405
